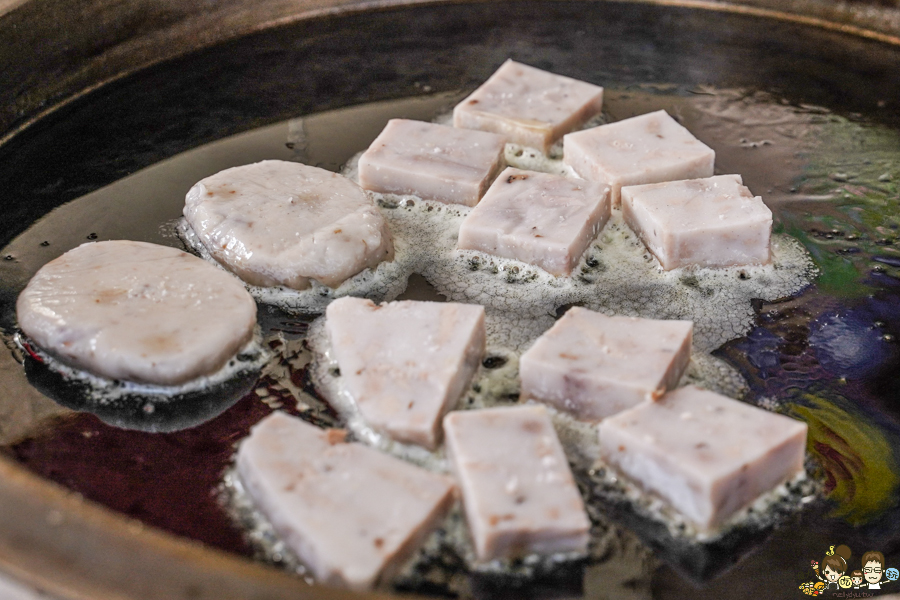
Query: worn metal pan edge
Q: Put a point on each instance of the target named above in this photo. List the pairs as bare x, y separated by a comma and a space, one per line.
50, 538
108, 40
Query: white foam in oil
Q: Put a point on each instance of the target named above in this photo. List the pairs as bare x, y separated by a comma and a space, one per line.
99, 390
616, 275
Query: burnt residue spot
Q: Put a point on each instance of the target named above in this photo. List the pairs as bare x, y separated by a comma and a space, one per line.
379, 542
493, 362
690, 281
473, 101
621, 448
701, 446
567, 356
520, 177
291, 327
520, 499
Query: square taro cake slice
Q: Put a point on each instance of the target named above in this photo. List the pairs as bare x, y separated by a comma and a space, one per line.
433, 162
542, 219
518, 491
707, 455
529, 106
645, 149
711, 222
594, 366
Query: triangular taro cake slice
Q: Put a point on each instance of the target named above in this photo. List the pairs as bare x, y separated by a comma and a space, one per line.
351, 513
406, 363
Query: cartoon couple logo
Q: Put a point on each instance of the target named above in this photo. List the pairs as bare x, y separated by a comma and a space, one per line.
834, 573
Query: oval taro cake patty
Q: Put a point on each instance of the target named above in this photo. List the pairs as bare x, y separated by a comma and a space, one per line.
137, 312
279, 223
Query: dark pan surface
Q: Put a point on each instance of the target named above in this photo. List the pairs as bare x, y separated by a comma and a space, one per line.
829, 355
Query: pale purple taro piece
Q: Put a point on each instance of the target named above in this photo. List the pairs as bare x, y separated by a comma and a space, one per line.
542, 219
645, 149
518, 491
711, 222
280, 223
529, 106
433, 162
406, 363
594, 366
138, 312
351, 514
707, 455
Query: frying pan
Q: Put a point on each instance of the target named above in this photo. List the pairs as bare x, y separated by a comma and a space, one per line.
94, 92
